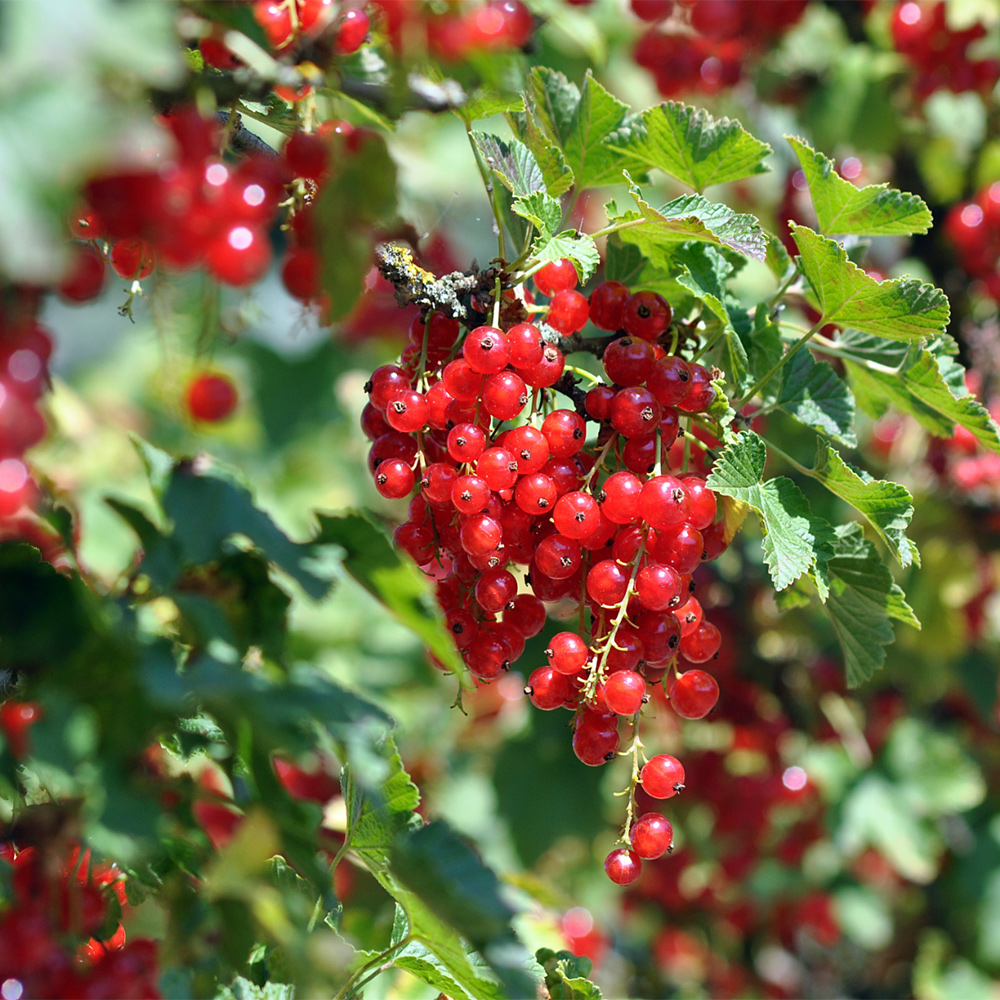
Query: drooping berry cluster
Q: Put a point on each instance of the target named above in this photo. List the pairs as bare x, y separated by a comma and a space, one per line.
701, 45
611, 522
938, 52
48, 930
973, 228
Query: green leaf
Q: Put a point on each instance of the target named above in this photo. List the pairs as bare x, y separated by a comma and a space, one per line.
690, 217
395, 582
578, 120
862, 600
900, 309
556, 171
937, 778
926, 390
376, 817
440, 970
886, 506
512, 162
360, 194
705, 272
486, 102
44, 615
449, 877
795, 541
566, 975
580, 249
542, 210
813, 393
689, 144
874, 210
207, 508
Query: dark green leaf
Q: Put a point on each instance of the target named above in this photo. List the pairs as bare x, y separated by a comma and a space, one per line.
449, 877
874, 210
486, 102
900, 309
705, 272
795, 541
887, 506
44, 615
207, 509
813, 393
398, 584
691, 145
863, 598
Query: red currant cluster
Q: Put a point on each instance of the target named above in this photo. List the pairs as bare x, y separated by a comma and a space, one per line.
920, 32
973, 228
701, 45
56, 902
459, 30
502, 478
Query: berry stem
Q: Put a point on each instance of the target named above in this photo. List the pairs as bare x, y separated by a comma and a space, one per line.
636, 752
597, 675
598, 463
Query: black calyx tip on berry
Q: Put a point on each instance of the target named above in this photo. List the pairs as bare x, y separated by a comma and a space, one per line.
678, 788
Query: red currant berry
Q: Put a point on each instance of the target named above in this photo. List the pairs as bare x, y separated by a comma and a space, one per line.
525, 344
658, 587
635, 412
620, 496
662, 777
351, 32
664, 502
548, 371
624, 692
646, 315
568, 312
556, 276
567, 653
566, 433
669, 380
607, 305
623, 866
504, 395
461, 380
485, 350
210, 397
607, 583
652, 836
628, 362
595, 739
548, 688
701, 643
576, 514
694, 694
394, 479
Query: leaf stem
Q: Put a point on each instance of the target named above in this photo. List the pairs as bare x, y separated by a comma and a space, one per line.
615, 227
378, 964
800, 343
